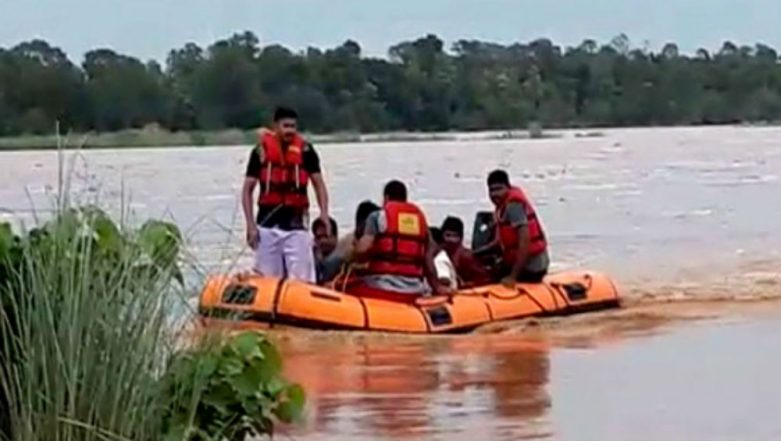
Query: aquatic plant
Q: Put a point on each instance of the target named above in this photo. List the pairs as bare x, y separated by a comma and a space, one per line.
87, 350
83, 326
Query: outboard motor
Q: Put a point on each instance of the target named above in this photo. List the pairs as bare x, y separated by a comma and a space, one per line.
483, 232
483, 229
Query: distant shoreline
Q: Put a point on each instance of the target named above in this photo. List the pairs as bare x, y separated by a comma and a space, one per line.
156, 138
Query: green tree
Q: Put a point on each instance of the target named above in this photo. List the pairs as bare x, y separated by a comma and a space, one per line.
236, 83
123, 92
227, 88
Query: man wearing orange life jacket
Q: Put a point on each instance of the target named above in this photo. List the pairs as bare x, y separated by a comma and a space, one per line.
283, 165
519, 233
397, 247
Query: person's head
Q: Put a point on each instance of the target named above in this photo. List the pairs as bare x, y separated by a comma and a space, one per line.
452, 233
395, 191
285, 123
365, 208
498, 186
325, 243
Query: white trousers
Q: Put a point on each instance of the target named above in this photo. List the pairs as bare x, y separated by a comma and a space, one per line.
283, 253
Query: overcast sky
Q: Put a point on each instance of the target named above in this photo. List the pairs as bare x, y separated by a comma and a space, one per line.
149, 28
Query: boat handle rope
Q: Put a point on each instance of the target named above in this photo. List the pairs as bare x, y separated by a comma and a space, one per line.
472, 292
560, 287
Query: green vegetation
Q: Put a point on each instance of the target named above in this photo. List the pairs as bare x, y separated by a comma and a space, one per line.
89, 350
235, 84
239, 389
150, 136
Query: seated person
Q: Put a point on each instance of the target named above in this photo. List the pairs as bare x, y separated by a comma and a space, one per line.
397, 247
327, 262
446, 272
519, 233
344, 247
470, 272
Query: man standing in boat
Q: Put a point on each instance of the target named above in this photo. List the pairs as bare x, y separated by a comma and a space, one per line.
283, 165
519, 233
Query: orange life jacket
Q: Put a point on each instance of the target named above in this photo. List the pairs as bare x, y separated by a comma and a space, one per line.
400, 249
508, 235
283, 178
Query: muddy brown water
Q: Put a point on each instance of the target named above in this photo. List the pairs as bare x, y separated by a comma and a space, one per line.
712, 380
685, 219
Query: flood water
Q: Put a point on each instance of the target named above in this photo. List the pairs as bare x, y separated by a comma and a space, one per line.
685, 215
647, 205
712, 381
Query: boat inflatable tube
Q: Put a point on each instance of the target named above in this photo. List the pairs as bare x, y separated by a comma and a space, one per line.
270, 301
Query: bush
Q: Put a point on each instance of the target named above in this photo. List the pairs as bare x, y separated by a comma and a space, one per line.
87, 350
229, 391
84, 309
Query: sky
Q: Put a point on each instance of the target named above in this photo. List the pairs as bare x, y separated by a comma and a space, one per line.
150, 28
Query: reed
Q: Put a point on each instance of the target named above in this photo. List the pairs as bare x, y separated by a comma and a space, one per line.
91, 349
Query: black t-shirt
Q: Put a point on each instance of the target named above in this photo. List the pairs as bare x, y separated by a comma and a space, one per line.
278, 216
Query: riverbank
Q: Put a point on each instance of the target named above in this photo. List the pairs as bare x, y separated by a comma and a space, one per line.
155, 138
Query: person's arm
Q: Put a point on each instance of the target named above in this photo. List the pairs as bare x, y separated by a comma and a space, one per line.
441, 262
516, 216
470, 270
522, 253
431, 269
312, 165
321, 192
247, 196
363, 246
494, 243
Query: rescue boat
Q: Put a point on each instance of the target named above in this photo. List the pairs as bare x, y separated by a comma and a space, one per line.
264, 301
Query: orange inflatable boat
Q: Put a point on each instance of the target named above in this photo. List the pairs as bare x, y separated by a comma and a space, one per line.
271, 301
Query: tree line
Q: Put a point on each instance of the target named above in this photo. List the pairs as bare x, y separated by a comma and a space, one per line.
420, 86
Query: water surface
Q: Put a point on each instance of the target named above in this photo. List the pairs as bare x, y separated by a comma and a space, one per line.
647, 205
689, 215
713, 380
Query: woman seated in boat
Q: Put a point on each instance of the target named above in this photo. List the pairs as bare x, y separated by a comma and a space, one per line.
398, 250
337, 270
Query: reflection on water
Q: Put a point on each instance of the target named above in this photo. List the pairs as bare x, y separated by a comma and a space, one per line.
488, 387
709, 381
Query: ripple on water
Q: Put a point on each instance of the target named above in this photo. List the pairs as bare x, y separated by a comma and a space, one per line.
601, 186
743, 181
704, 212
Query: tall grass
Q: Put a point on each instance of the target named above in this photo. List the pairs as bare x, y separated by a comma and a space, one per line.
84, 333
88, 350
